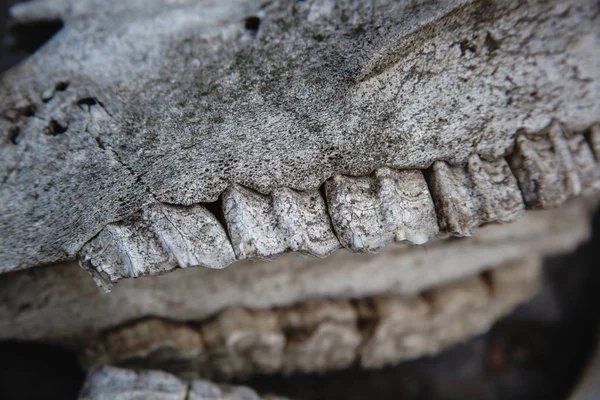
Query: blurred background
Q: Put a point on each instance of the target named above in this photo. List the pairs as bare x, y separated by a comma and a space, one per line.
538, 352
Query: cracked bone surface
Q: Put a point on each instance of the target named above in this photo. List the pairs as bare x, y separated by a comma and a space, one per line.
133, 103
110, 383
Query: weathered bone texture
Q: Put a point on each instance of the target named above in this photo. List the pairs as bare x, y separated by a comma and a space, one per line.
139, 101
110, 383
370, 212
156, 240
61, 304
482, 192
551, 167
325, 334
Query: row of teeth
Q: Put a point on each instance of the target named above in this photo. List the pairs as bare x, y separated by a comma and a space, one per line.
105, 382
358, 213
320, 335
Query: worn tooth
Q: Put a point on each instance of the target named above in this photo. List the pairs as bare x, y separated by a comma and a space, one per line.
264, 226
252, 224
321, 335
585, 164
400, 332
303, 221
154, 241
370, 212
155, 339
498, 196
544, 167
125, 249
193, 235
485, 191
240, 342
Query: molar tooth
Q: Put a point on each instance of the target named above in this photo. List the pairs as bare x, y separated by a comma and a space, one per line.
157, 239
252, 224
327, 337
264, 226
484, 191
192, 234
149, 339
240, 341
125, 249
400, 332
544, 167
370, 212
303, 221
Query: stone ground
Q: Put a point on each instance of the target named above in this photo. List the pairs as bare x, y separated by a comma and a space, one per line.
535, 353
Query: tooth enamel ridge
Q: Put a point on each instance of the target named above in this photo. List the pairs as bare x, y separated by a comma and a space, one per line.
391, 205
287, 220
359, 213
325, 334
157, 239
551, 168
482, 192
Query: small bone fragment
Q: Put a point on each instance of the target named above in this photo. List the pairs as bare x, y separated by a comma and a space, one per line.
110, 383
370, 212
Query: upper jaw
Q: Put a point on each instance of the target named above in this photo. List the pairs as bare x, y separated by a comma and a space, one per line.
182, 115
